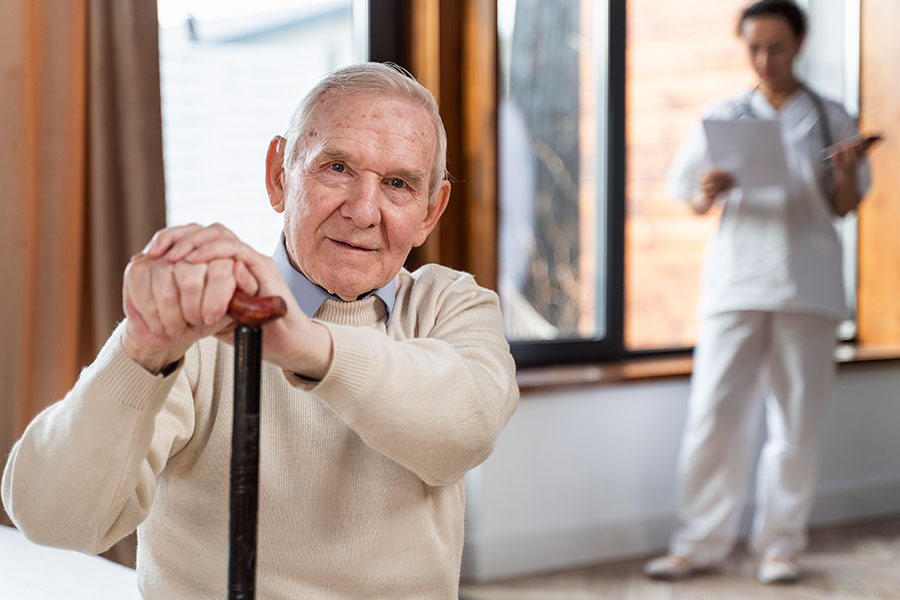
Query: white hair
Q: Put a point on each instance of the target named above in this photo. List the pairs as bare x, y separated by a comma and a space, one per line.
384, 79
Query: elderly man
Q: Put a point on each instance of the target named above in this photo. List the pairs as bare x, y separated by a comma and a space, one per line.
380, 388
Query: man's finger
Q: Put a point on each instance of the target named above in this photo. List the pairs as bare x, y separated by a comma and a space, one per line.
163, 239
166, 298
257, 264
197, 238
220, 286
216, 248
190, 280
245, 280
137, 293
132, 313
262, 269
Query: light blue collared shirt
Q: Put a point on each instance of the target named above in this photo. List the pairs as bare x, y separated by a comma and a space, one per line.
310, 296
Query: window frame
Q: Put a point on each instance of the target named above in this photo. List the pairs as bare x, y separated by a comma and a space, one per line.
443, 60
456, 23
612, 345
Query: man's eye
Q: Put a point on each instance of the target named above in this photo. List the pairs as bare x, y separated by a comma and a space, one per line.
398, 183
338, 167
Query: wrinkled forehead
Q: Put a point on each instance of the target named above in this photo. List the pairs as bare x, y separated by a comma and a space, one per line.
333, 114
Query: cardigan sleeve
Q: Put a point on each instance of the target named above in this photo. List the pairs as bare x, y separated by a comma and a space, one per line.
83, 475
436, 402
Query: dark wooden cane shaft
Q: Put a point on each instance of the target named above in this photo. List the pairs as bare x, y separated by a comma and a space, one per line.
244, 464
249, 313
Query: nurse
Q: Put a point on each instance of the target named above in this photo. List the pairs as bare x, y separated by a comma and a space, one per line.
772, 296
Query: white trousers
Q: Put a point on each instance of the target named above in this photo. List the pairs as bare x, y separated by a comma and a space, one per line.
737, 353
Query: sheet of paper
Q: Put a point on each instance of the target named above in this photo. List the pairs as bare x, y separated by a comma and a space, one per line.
749, 149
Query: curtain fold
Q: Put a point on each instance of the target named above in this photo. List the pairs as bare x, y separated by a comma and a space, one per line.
81, 179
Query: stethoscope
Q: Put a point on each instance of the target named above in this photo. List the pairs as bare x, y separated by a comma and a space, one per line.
745, 111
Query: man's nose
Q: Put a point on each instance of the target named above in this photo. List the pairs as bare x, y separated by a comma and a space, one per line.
362, 204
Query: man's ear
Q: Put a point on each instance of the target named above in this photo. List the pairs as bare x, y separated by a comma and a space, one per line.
435, 210
275, 173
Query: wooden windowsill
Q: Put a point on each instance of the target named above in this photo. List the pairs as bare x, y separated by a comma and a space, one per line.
642, 369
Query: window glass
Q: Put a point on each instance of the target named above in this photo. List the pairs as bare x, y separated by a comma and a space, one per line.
553, 157
552, 166
231, 74
679, 59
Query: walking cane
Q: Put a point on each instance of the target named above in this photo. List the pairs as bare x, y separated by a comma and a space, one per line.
249, 313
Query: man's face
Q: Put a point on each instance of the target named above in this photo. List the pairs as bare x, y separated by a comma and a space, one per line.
356, 199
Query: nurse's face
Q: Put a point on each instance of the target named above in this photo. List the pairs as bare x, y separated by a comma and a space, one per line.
772, 48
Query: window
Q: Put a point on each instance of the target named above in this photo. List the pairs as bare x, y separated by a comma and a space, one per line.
596, 260
231, 75
679, 60
558, 259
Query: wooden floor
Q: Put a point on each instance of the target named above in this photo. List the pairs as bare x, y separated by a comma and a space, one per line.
852, 562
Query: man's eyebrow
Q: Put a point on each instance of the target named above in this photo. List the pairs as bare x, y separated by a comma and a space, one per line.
335, 154
414, 178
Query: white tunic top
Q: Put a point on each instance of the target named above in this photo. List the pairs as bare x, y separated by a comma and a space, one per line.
776, 248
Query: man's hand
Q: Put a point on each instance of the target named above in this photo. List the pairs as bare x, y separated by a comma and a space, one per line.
293, 342
169, 306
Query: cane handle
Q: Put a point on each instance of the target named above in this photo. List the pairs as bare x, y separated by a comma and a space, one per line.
249, 310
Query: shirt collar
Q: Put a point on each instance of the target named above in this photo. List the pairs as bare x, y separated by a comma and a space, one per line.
310, 296
761, 106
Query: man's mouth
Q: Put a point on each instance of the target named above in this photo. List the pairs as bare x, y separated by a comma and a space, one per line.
352, 246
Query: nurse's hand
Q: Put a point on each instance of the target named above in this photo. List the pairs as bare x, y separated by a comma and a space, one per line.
716, 182
712, 185
845, 157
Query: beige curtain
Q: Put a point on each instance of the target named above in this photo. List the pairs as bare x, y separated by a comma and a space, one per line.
81, 182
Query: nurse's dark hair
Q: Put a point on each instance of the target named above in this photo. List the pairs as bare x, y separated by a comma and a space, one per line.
785, 9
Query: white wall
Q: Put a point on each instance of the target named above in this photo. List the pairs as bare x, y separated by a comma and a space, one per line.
830, 58
588, 475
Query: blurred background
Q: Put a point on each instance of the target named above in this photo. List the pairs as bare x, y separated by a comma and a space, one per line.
119, 117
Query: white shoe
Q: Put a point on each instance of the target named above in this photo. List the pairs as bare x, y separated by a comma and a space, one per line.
672, 567
778, 568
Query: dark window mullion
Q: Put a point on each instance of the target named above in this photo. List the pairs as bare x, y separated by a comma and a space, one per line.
612, 345
615, 204
388, 26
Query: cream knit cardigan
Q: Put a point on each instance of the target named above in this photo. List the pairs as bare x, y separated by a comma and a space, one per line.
361, 475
